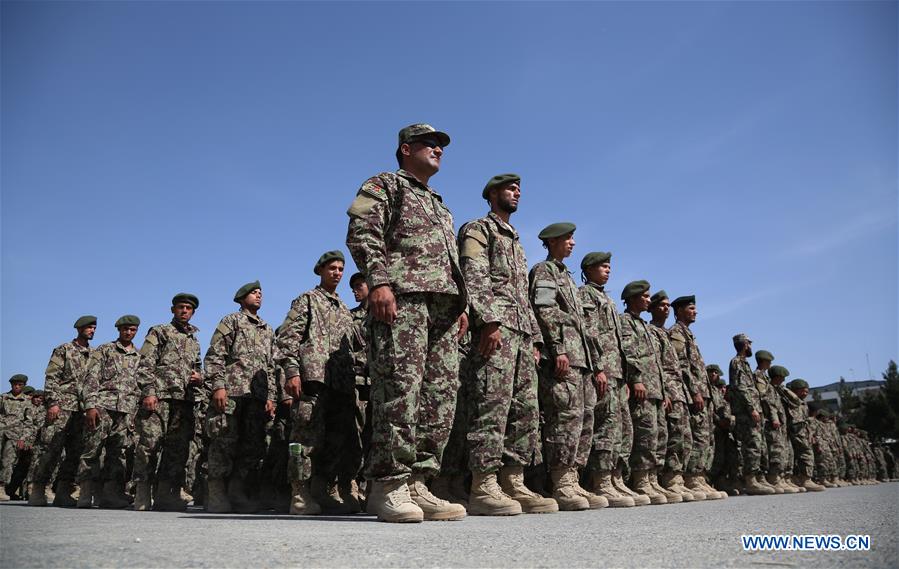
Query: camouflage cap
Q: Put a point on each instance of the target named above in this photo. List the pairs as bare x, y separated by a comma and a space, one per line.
186, 298
798, 384
778, 371
27, 390
128, 320
19, 378
557, 230
86, 320
499, 181
595, 258
715, 368
356, 277
764, 355
420, 130
741, 338
634, 287
327, 258
246, 289
683, 301
658, 297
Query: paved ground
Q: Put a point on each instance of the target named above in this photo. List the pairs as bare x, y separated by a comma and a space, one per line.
705, 534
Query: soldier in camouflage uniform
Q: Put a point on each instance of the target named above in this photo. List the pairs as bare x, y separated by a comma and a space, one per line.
780, 466
64, 420
568, 381
763, 360
241, 376
363, 379
12, 429
825, 463
797, 417
33, 418
747, 408
169, 370
501, 375
401, 236
110, 401
726, 470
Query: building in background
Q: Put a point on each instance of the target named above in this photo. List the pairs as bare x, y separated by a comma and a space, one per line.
830, 393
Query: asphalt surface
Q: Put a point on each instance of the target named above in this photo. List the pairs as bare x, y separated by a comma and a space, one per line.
702, 534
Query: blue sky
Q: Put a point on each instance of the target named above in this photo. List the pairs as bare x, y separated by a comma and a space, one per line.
742, 152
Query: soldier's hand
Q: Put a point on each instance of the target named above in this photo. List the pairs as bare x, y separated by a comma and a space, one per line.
463, 326
292, 387
698, 402
756, 418
382, 304
775, 425
52, 413
602, 384
561, 366
536, 355
195, 378
666, 404
149, 403
270, 408
20, 445
90, 419
639, 392
491, 339
220, 399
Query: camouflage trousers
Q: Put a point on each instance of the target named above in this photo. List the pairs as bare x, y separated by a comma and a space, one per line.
752, 440
63, 433
236, 437
788, 455
607, 429
702, 431
645, 416
777, 443
504, 420
626, 443
307, 431
9, 457
414, 368
274, 466
341, 448
110, 439
825, 466
567, 406
167, 431
680, 438
804, 461
726, 461
455, 455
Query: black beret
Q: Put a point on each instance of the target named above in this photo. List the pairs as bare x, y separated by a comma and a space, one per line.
245, 290
798, 384
764, 355
499, 181
557, 230
683, 301
595, 258
37, 393
186, 298
327, 258
713, 367
634, 287
779, 371
86, 321
658, 297
128, 320
19, 378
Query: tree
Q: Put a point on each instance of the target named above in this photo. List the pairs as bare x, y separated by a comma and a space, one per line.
849, 401
878, 411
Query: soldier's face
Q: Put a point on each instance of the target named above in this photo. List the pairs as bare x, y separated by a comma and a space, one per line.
253, 299
687, 313
764, 364
183, 312
423, 155
37, 401
639, 302
507, 198
127, 333
17, 388
561, 247
662, 309
802, 392
87, 332
331, 273
360, 290
599, 274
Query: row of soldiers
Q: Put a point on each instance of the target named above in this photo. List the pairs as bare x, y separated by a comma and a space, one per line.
551, 399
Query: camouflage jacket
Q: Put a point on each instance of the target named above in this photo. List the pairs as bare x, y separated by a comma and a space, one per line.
496, 276
110, 381
642, 363
401, 234
796, 408
773, 403
35, 418
675, 389
603, 328
762, 385
559, 313
12, 415
317, 341
691, 364
741, 384
721, 408
168, 357
65, 376
240, 357
360, 356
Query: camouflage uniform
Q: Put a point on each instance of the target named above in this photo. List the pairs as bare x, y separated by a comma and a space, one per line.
363, 379
12, 430
776, 439
679, 437
797, 415
110, 388
401, 234
777, 399
240, 361
696, 379
62, 387
726, 457
744, 400
761, 385
169, 355
503, 426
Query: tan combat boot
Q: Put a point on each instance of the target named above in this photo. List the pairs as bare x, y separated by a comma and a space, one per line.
674, 482
488, 499
778, 483
301, 501
670, 495
564, 491
760, 478
111, 496
37, 494
721, 495
596, 502
141, 496
347, 492
788, 482
64, 497
434, 508
165, 500
391, 501
618, 483
827, 483
511, 479
641, 484
601, 485
216, 498
691, 481
809, 484
4, 497
86, 496
753, 488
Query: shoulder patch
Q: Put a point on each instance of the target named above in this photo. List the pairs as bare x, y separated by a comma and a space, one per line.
544, 293
152, 337
474, 241
373, 188
223, 329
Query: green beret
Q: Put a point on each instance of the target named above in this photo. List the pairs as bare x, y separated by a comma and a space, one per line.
327, 258
27, 390
779, 371
764, 355
37, 393
86, 321
634, 287
245, 290
595, 258
798, 384
186, 298
421, 130
715, 368
557, 230
356, 277
19, 378
741, 338
658, 297
500, 181
128, 320
683, 301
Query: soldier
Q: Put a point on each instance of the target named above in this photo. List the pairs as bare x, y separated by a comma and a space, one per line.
747, 408
110, 402
679, 439
613, 429
763, 359
696, 379
241, 376
797, 415
401, 236
568, 382
643, 372
501, 374
315, 352
780, 464
169, 368
726, 465
363, 380
63, 425
12, 430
